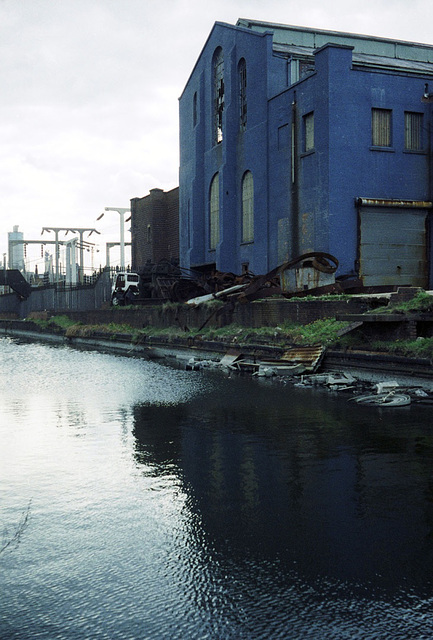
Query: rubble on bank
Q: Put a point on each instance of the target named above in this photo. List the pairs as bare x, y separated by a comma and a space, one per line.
268, 358
385, 393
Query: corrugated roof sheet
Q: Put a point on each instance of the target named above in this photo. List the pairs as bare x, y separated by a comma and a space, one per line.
310, 357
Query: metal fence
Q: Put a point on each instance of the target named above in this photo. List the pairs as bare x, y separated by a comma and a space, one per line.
61, 297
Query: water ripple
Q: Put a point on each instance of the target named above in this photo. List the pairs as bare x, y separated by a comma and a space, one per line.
175, 505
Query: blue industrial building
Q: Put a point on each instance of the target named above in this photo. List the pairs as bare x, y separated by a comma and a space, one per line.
295, 140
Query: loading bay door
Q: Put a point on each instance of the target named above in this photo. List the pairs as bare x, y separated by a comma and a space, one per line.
393, 246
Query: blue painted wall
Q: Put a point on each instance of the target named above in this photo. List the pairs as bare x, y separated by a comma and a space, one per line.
303, 201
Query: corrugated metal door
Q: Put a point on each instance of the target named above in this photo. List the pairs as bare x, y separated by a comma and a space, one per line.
393, 247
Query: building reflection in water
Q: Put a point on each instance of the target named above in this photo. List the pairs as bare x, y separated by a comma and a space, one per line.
301, 477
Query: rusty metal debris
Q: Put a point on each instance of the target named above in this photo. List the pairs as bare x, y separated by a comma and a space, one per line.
309, 271
312, 272
294, 361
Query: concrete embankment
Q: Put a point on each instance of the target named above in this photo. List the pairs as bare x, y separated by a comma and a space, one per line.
365, 365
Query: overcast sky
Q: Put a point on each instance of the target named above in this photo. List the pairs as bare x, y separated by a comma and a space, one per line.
90, 88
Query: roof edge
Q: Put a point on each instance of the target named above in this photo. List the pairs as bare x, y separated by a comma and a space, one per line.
225, 25
247, 23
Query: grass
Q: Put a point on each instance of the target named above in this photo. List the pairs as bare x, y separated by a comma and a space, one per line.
326, 332
419, 348
318, 332
421, 303
112, 328
60, 322
328, 297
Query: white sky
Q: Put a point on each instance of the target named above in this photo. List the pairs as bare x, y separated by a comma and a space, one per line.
90, 88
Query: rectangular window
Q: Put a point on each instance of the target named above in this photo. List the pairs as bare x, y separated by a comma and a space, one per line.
309, 131
381, 127
413, 131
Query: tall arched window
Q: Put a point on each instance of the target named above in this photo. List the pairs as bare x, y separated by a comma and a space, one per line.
242, 72
214, 212
218, 94
194, 110
247, 207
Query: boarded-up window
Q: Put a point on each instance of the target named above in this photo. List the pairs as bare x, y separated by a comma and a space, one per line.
242, 95
309, 132
247, 207
381, 127
413, 131
218, 88
214, 212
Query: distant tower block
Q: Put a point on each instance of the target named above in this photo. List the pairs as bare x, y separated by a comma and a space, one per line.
16, 251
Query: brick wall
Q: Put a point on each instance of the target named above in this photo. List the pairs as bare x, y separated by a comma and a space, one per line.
155, 228
256, 314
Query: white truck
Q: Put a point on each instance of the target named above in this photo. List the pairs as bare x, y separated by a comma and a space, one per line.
154, 282
125, 288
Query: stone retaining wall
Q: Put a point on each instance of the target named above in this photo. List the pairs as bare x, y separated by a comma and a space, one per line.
265, 313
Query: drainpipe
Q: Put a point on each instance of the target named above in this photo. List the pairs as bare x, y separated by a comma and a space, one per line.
294, 184
429, 215
428, 98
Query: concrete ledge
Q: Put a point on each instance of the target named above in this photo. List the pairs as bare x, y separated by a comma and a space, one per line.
385, 317
378, 362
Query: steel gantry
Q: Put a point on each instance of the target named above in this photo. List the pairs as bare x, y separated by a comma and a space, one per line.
81, 231
121, 211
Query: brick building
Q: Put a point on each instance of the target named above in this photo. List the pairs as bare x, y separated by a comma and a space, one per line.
295, 140
155, 228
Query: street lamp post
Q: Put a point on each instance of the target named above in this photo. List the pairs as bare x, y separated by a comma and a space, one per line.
121, 211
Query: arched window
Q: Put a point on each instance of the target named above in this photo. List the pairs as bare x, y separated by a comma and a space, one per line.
247, 207
194, 110
214, 212
218, 94
242, 73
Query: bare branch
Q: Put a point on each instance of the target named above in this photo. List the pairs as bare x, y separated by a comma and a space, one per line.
19, 530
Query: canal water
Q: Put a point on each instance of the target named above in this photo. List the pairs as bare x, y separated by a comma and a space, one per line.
140, 501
